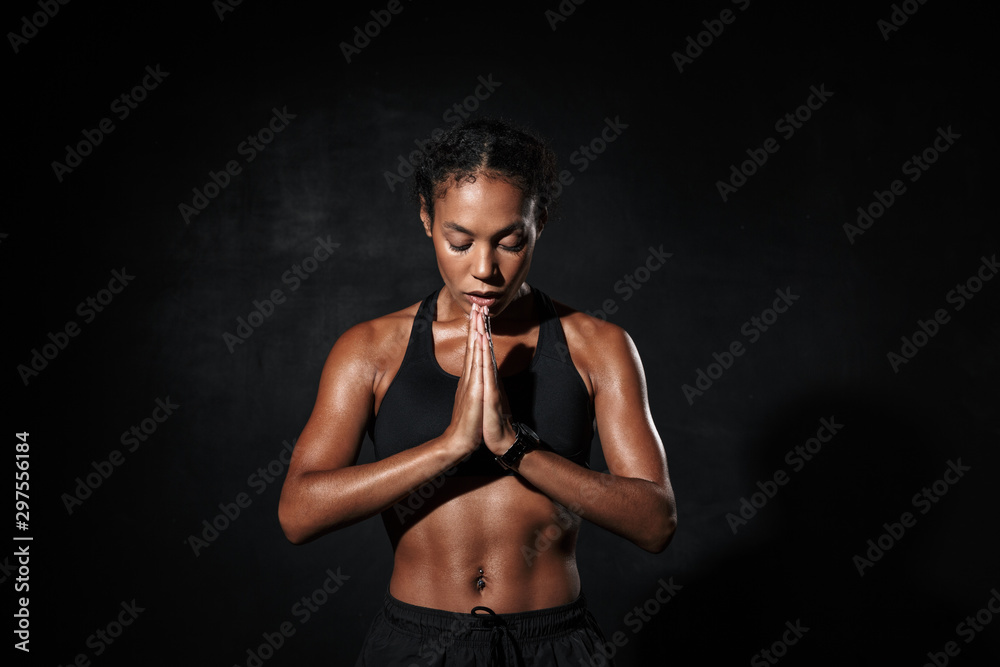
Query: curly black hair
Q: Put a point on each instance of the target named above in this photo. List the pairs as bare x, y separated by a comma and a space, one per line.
492, 147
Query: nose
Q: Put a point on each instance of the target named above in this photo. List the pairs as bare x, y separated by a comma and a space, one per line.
484, 264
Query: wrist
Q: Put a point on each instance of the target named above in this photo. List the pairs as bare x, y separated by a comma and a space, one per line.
525, 440
507, 438
453, 448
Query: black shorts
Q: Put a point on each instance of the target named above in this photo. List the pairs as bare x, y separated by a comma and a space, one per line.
404, 635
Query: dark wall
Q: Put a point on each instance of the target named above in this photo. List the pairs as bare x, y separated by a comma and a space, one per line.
898, 423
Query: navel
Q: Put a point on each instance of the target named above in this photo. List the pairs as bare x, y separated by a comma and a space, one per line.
480, 582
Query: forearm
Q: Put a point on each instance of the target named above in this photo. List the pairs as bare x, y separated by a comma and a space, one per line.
639, 510
316, 502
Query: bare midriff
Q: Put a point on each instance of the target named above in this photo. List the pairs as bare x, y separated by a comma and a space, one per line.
479, 541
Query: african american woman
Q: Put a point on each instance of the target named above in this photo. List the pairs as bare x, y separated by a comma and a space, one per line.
484, 398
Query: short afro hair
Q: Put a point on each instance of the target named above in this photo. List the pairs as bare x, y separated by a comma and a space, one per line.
492, 147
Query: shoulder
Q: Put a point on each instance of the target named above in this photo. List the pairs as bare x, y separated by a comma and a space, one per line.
602, 350
369, 348
380, 331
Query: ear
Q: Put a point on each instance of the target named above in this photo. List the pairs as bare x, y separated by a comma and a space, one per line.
425, 217
543, 217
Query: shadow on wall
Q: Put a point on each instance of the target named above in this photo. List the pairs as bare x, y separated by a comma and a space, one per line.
830, 547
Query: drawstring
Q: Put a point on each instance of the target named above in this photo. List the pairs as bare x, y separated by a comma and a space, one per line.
486, 609
502, 649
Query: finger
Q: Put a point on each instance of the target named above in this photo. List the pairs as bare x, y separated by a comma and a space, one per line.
488, 326
491, 388
485, 333
484, 352
488, 370
474, 335
494, 395
470, 343
477, 363
489, 341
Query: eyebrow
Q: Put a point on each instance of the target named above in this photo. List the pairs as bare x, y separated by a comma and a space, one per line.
512, 227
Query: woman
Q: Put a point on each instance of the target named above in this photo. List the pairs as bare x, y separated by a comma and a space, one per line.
482, 474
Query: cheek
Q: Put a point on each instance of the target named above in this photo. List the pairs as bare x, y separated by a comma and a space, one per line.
450, 264
515, 267
523, 260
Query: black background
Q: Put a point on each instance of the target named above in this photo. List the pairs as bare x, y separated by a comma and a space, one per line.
655, 185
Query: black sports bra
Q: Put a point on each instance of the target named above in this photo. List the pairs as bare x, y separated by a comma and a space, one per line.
549, 396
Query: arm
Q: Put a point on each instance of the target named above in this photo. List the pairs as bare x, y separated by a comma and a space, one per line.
324, 489
636, 500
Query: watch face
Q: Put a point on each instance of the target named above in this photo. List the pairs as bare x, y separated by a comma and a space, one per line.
525, 429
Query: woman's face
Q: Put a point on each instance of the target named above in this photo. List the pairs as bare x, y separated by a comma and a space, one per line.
484, 235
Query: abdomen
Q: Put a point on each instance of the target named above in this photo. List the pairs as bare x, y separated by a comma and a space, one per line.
524, 543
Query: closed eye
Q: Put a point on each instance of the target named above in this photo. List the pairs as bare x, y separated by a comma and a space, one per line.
462, 249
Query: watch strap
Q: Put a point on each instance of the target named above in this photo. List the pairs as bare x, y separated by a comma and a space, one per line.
524, 441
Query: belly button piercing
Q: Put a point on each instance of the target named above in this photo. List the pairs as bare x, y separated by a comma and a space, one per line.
480, 583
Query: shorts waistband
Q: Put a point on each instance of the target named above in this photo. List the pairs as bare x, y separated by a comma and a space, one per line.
525, 625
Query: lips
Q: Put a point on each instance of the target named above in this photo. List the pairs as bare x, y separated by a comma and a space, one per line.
483, 298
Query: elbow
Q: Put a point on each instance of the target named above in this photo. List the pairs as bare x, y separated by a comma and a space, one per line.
290, 519
298, 521
292, 530
657, 540
295, 537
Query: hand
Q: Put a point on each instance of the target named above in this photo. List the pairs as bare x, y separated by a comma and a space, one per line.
466, 427
498, 433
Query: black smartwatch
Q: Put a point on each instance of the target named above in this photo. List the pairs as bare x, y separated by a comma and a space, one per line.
524, 441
